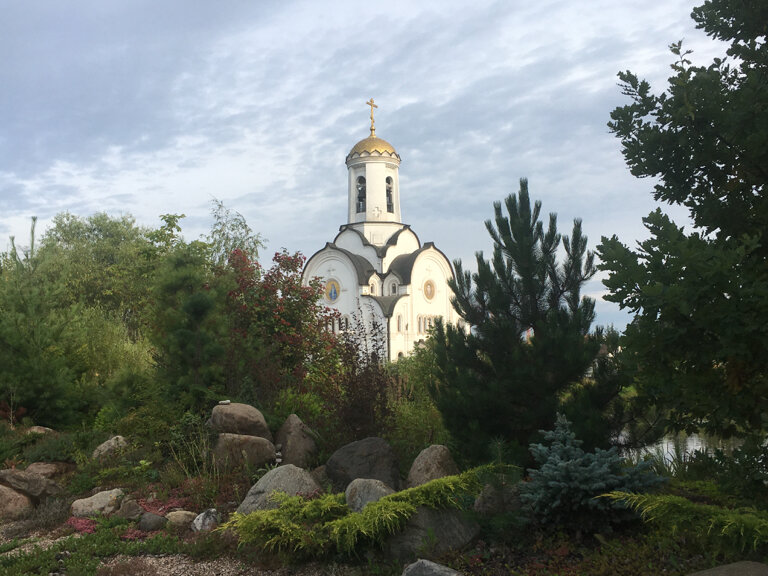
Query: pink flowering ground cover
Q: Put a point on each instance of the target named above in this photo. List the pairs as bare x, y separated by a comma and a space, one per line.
82, 525
161, 507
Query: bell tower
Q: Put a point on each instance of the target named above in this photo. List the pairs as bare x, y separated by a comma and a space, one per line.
374, 187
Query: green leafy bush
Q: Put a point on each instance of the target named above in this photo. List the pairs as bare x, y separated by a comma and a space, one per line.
415, 421
51, 448
564, 490
742, 473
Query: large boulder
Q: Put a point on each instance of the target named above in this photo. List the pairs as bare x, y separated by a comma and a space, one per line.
744, 568
288, 478
13, 504
103, 503
35, 486
239, 419
49, 469
432, 533
109, 448
234, 450
426, 568
368, 458
361, 491
297, 442
433, 462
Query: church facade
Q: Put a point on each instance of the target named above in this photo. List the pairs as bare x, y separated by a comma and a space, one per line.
376, 270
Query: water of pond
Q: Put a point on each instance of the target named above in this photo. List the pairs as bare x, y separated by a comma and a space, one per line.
674, 446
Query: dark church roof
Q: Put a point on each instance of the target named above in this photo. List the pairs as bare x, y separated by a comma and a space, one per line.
387, 303
381, 251
363, 268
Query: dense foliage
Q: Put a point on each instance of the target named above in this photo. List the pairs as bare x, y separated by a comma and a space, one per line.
527, 338
699, 333
106, 320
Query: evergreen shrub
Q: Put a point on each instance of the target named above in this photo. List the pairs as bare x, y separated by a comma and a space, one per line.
716, 529
309, 527
564, 491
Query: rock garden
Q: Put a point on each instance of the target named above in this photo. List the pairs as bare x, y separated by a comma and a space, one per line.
276, 506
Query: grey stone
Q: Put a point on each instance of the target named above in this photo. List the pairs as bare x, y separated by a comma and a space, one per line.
321, 476
13, 504
49, 469
181, 518
744, 568
103, 503
130, 509
36, 486
433, 462
109, 448
432, 533
40, 430
150, 522
239, 419
368, 458
361, 491
297, 442
426, 568
288, 478
234, 450
206, 521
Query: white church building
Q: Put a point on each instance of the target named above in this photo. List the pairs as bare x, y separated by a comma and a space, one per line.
376, 269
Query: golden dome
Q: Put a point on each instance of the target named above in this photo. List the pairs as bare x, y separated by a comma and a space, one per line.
372, 145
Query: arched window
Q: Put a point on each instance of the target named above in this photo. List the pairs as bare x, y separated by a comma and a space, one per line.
390, 203
361, 193
373, 289
399, 323
393, 289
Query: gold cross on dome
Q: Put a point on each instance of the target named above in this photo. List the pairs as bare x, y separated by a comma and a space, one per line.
372, 105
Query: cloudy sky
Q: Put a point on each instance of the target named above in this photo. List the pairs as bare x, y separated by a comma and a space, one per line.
147, 108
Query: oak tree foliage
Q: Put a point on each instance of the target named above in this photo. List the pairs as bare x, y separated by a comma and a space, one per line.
700, 295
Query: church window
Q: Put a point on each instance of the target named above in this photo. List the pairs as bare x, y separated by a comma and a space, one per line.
373, 289
361, 193
390, 203
399, 323
393, 289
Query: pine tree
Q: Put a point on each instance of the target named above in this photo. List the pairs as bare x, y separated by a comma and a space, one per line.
526, 338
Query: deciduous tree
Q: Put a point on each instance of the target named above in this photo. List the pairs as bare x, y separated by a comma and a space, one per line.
700, 296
